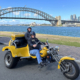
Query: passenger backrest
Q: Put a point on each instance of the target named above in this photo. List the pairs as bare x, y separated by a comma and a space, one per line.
22, 42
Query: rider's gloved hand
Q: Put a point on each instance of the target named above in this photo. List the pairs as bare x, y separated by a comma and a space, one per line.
45, 43
34, 45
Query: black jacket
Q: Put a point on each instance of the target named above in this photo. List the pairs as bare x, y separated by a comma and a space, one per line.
33, 41
27, 35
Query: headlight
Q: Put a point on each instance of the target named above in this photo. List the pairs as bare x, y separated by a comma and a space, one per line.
48, 52
57, 48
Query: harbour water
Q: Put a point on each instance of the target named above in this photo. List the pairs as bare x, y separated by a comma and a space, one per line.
62, 31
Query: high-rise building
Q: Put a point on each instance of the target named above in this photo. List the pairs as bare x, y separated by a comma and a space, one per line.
74, 17
71, 17
79, 18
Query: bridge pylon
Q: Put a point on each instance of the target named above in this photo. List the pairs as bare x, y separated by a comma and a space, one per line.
58, 22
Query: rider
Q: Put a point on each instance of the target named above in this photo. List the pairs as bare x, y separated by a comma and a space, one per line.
34, 48
27, 34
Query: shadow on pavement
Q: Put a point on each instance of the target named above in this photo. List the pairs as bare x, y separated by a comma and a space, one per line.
26, 62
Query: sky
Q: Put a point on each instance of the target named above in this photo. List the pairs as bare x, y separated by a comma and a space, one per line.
63, 8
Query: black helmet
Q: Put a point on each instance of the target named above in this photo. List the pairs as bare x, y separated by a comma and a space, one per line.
29, 28
32, 33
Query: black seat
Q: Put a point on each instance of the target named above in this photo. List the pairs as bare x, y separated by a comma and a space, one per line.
20, 42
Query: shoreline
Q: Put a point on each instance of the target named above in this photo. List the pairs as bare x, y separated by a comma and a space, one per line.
44, 25
7, 32
55, 39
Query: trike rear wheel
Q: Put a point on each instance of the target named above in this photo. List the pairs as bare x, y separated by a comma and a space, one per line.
9, 61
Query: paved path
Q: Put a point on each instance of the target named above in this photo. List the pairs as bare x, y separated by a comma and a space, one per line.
68, 50
28, 70
4, 39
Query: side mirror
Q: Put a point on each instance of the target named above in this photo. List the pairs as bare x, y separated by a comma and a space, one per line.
47, 40
57, 48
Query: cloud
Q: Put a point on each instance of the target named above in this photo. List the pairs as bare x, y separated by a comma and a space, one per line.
16, 13
12, 20
26, 14
50, 14
35, 15
9, 9
3, 21
25, 21
1, 12
9, 21
6, 21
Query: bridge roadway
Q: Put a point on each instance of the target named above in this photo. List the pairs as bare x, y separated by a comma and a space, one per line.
26, 18
62, 21
28, 70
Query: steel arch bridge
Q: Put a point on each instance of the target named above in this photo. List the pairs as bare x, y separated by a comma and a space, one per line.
45, 16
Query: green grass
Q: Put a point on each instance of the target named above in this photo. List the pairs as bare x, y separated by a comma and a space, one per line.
76, 44
55, 39
4, 36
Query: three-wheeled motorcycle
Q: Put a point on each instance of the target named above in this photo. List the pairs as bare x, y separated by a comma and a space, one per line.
18, 48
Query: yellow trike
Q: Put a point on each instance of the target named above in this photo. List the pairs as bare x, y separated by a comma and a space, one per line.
19, 48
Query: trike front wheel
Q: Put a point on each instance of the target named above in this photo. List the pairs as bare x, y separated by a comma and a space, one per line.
73, 69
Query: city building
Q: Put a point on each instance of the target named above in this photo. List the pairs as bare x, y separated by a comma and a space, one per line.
33, 24
71, 17
74, 17
79, 18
